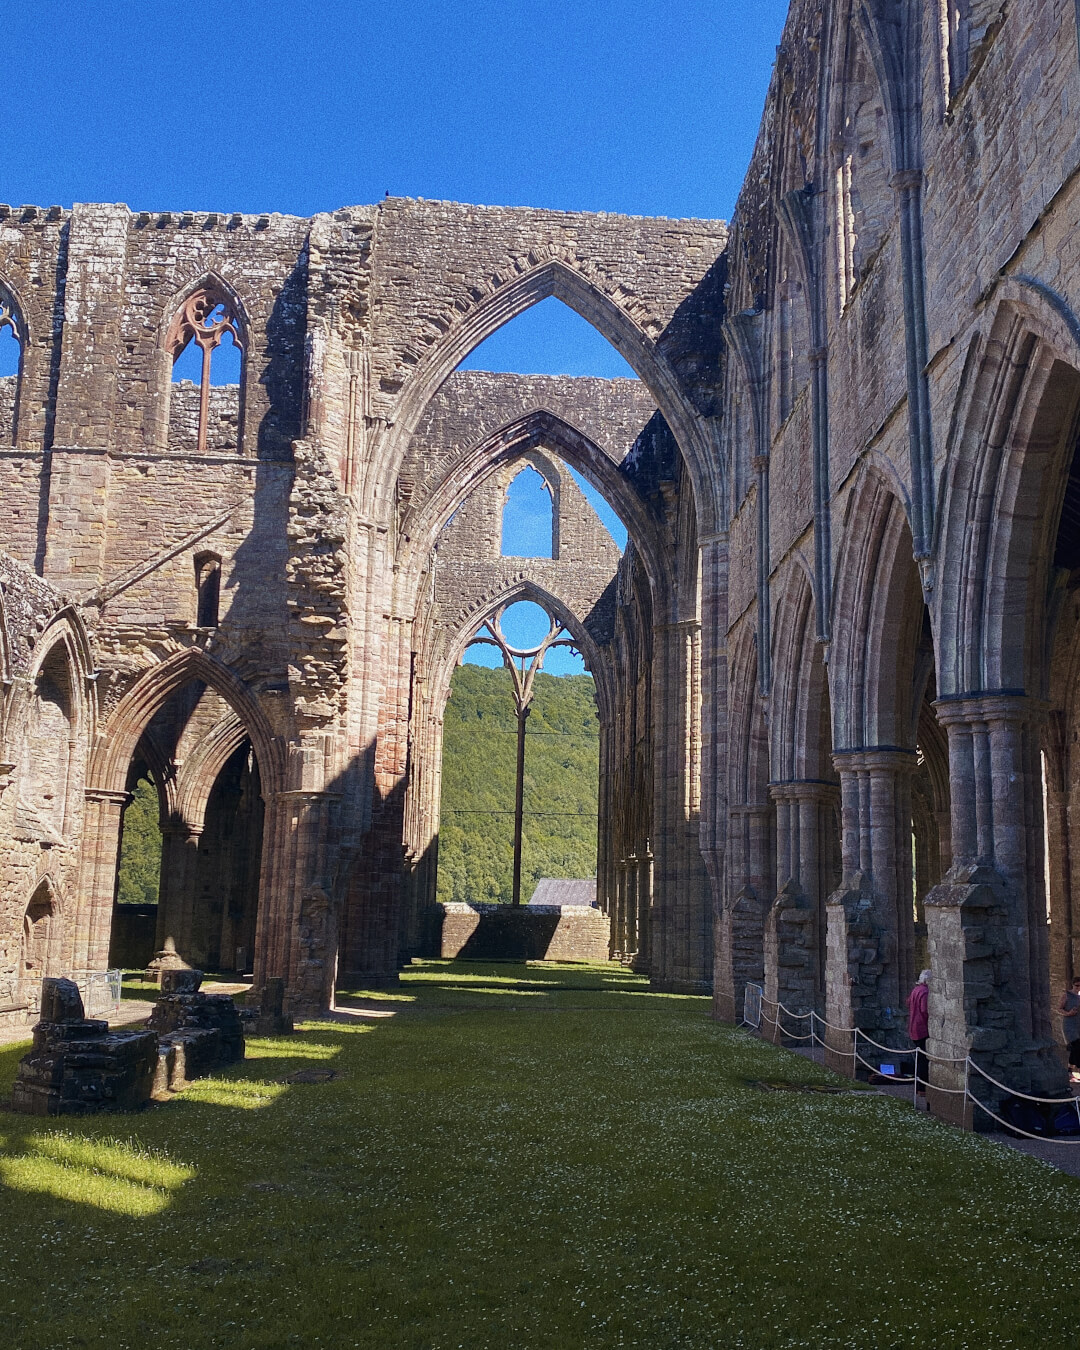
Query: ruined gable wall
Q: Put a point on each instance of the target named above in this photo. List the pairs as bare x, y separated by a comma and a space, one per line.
470, 569
473, 404
434, 261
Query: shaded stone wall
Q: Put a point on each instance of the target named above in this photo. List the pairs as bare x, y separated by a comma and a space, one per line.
894, 247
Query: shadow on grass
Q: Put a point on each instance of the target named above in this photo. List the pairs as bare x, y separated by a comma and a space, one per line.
437, 985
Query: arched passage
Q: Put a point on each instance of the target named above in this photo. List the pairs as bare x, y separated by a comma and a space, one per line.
1005, 618
882, 666
41, 944
193, 715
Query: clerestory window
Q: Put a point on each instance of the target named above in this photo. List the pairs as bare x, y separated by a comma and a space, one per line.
206, 343
529, 519
968, 25
11, 350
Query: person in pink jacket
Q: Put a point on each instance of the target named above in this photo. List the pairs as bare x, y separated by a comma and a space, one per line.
918, 1025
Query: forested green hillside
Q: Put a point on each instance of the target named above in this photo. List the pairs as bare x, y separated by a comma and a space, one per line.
561, 768
140, 849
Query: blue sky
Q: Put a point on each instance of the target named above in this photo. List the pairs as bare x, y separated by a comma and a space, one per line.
306, 105
298, 106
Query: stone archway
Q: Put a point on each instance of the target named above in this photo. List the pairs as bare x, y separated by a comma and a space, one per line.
191, 670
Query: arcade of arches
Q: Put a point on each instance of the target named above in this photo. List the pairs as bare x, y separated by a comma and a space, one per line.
836, 665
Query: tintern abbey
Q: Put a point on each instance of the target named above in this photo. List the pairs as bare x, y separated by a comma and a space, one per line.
837, 666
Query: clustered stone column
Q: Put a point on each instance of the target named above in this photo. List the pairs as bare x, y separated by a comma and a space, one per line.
794, 919
741, 931
871, 930
179, 878
986, 922
681, 940
97, 878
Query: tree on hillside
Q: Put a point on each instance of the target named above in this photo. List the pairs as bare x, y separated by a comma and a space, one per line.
562, 765
140, 848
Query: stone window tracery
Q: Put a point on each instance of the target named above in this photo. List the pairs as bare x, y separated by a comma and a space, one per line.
12, 339
207, 324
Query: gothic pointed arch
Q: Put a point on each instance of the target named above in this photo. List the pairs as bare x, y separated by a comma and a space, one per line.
13, 324
589, 298
109, 763
799, 698
41, 946
1015, 431
539, 429
202, 769
877, 619
57, 723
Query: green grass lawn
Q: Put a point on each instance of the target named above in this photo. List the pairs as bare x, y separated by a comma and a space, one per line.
526, 1157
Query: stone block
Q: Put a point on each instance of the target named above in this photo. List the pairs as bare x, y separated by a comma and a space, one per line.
202, 1012
61, 1001
78, 1068
180, 980
272, 1020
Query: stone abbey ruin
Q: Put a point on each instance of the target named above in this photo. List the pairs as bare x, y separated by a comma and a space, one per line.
837, 667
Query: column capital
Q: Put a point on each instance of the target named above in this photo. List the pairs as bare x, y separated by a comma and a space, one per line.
1003, 706
907, 180
875, 758
181, 829
752, 810
805, 790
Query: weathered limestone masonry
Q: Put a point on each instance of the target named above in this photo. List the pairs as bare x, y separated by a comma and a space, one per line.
902, 388
254, 595
836, 667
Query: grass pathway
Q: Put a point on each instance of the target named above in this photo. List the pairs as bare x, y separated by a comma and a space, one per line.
526, 1158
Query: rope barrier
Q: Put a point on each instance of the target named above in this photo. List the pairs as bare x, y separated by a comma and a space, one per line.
1015, 1129
855, 1033
1048, 1101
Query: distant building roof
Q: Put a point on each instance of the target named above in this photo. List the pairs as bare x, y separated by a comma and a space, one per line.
557, 891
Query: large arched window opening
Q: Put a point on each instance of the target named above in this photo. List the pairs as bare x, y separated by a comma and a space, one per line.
520, 748
530, 517
205, 343
865, 200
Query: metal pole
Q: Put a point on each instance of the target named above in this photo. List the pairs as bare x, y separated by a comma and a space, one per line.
519, 797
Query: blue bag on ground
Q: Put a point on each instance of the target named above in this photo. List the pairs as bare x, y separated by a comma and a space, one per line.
1024, 1116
